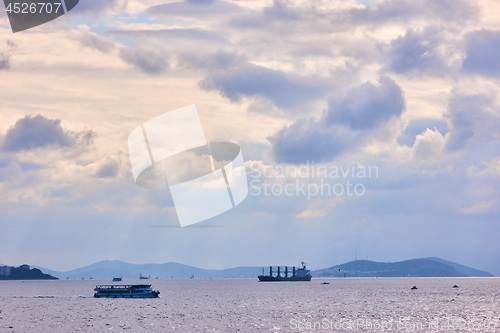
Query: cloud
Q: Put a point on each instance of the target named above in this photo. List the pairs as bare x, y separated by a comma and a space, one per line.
342, 127
279, 13
482, 207
148, 60
473, 119
30, 133
483, 53
5, 57
403, 11
309, 140
218, 60
490, 169
431, 51
4, 61
177, 33
367, 105
287, 17
311, 213
428, 146
11, 44
92, 40
97, 6
196, 8
285, 90
419, 126
108, 170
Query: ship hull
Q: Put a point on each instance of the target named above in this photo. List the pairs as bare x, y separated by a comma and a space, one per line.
267, 278
152, 295
126, 291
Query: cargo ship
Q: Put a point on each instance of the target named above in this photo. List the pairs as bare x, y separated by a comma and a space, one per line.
126, 291
299, 274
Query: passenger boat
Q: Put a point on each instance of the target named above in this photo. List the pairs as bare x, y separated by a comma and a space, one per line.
300, 274
125, 291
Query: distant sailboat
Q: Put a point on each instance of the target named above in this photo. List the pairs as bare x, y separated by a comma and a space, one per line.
143, 277
192, 277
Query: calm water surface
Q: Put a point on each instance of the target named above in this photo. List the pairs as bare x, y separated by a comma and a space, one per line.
245, 305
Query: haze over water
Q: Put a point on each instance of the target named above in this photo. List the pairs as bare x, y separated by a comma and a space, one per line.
245, 305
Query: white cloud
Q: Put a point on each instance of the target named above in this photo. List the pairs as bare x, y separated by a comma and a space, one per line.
482, 207
428, 147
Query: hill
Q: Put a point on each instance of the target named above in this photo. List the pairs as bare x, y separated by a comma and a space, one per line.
461, 268
414, 267
23, 272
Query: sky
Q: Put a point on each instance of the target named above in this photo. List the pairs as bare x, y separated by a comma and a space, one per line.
365, 126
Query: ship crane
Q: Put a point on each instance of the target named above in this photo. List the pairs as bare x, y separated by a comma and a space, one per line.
286, 274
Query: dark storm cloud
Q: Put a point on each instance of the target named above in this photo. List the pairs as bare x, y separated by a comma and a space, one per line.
150, 61
473, 119
483, 53
367, 105
35, 132
284, 90
419, 51
196, 8
342, 126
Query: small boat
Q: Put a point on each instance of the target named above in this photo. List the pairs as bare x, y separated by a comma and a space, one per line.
117, 279
143, 277
125, 291
300, 274
325, 283
414, 288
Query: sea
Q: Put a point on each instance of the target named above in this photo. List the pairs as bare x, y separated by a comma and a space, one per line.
246, 305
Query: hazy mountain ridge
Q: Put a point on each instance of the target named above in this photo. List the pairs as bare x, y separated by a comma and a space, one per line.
424, 267
108, 269
412, 267
462, 268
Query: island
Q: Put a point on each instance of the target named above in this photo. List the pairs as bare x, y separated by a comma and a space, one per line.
424, 267
23, 272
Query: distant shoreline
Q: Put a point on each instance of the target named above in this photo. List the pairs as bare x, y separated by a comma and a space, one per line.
23, 272
422, 267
